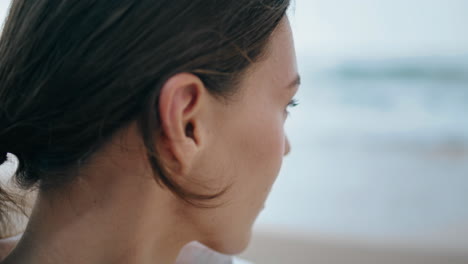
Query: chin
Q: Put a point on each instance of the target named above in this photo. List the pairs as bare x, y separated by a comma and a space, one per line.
233, 245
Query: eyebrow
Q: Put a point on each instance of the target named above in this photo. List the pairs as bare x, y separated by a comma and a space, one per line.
296, 82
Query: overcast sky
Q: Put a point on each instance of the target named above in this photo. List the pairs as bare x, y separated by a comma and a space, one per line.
381, 27
376, 27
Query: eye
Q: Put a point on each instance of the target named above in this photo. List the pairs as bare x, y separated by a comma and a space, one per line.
293, 103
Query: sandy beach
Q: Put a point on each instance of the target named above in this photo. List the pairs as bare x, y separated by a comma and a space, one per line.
272, 247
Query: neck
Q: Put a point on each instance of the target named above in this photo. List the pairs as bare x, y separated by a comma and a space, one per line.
125, 222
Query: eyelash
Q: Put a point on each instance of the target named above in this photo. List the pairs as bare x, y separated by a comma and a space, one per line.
293, 103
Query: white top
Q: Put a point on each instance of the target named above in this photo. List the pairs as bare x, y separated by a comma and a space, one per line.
11, 239
197, 253
192, 253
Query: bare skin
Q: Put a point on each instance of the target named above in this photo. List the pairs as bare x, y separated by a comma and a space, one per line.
115, 212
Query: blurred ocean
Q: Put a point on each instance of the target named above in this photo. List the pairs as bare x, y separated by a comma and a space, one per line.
379, 151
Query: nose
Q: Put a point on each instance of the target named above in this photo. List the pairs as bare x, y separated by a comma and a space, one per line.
287, 146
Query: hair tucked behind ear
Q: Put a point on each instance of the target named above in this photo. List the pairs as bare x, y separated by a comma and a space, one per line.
73, 72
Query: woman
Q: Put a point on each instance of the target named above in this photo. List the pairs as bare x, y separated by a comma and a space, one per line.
144, 124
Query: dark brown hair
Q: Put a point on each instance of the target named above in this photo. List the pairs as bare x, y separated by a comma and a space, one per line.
73, 72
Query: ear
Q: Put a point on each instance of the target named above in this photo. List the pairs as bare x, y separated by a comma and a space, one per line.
180, 103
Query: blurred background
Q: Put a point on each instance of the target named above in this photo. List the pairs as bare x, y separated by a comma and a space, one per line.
378, 171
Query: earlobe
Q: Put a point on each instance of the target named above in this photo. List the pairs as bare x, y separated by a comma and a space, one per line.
180, 104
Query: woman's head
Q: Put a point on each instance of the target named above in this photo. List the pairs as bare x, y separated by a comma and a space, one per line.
242, 144
204, 82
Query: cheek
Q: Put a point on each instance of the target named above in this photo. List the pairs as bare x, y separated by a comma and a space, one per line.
264, 144
249, 153
267, 147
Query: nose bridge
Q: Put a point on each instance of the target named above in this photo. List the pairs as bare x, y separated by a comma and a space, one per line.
287, 145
